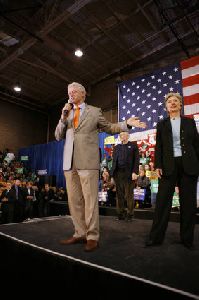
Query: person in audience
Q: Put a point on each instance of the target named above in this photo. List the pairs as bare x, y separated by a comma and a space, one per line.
125, 172
7, 205
177, 164
79, 125
46, 195
62, 195
28, 193
143, 182
16, 195
108, 185
36, 199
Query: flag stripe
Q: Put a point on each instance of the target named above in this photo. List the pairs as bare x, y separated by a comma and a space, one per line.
190, 81
191, 99
191, 90
193, 61
190, 71
191, 109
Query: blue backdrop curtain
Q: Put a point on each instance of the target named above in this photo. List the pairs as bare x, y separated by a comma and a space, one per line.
50, 157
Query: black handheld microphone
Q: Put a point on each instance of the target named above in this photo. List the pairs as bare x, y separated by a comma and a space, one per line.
66, 111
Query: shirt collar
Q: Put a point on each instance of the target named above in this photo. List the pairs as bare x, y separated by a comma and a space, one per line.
81, 106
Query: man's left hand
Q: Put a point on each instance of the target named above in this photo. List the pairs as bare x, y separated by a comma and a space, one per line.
135, 122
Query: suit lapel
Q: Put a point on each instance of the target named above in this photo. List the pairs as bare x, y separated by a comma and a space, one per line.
168, 125
83, 116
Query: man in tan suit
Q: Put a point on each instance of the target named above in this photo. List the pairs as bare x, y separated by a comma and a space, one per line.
79, 125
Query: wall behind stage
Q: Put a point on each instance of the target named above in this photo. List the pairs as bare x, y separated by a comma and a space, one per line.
21, 127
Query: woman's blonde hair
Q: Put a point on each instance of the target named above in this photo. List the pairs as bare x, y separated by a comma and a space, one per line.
177, 95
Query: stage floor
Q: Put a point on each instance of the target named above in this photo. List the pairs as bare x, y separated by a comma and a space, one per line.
170, 266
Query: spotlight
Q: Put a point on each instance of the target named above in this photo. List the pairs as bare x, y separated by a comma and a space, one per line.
17, 88
78, 52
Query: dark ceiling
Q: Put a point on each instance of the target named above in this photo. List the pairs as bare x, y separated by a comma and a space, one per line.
114, 35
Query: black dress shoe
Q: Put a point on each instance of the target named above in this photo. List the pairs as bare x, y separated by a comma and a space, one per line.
129, 218
151, 243
188, 246
120, 217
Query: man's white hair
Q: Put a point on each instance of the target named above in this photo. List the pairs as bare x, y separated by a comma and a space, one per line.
78, 86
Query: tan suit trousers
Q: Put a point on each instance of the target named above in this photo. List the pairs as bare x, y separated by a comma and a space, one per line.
82, 189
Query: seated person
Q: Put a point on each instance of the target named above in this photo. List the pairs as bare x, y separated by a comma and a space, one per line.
62, 195
46, 195
143, 182
108, 185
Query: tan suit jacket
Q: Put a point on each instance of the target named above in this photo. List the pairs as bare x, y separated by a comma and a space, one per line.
83, 140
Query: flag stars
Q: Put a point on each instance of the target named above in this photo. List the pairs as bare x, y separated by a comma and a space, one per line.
144, 96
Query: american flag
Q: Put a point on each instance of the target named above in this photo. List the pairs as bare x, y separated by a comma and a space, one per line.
144, 96
190, 83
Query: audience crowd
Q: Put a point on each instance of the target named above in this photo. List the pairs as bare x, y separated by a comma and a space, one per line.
22, 197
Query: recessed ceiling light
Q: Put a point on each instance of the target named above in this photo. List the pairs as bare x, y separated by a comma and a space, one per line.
78, 52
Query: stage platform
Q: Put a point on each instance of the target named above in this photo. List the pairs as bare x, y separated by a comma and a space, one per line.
31, 254
59, 208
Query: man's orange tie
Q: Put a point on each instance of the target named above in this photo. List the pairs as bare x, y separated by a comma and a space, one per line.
76, 116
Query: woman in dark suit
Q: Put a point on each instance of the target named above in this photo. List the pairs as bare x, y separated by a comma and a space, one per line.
177, 164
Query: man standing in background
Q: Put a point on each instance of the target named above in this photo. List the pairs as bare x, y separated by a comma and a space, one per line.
125, 171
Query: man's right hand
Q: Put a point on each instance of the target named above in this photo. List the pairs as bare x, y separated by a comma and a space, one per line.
65, 111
